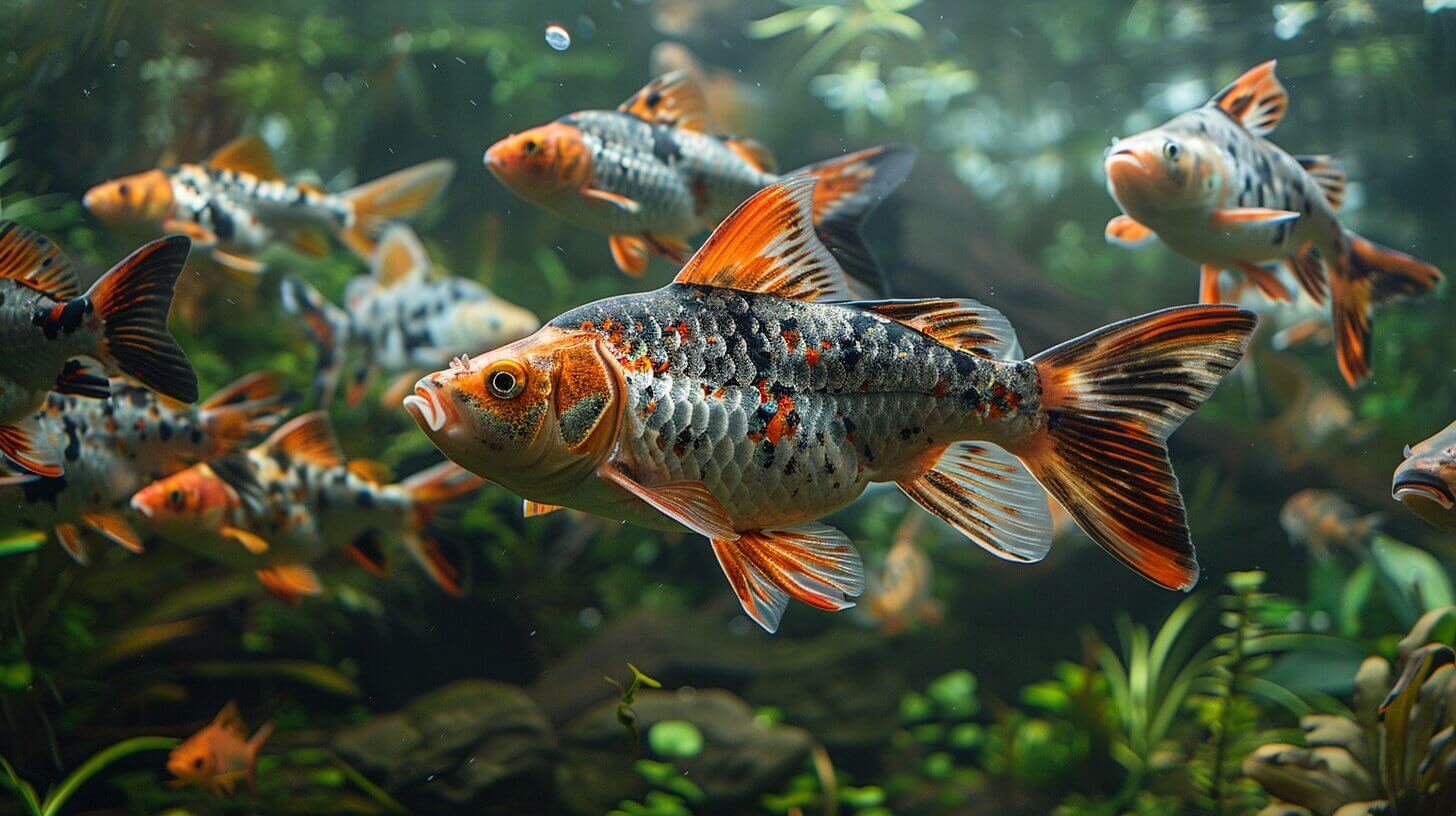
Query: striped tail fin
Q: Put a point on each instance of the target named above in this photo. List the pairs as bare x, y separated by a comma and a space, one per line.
398, 196
133, 300
429, 490
1367, 276
850, 188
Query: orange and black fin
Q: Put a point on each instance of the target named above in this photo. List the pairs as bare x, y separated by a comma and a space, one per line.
330, 329
246, 154
369, 552
446, 564
82, 380
115, 528
398, 196
760, 157
252, 404
1267, 283
812, 562
1110, 399
629, 253
1370, 274
671, 99
986, 494
1255, 100
430, 491
69, 536
532, 509
1329, 175
401, 259
290, 583
1307, 269
30, 258
689, 503
307, 438
670, 247
132, 301
850, 188
964, 324
370, 470
25, 443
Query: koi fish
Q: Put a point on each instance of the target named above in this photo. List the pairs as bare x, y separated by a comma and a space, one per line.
216, 757
403, 319
236, 204
1215, 190
903, 593
1424, 481
47, 326
752, 396
114, 447
650, 177
1323, 521
294, 498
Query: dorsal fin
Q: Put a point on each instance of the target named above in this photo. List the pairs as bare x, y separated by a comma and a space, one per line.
752, 152
259, 385
1328, 174
236, 471
307, 438
1255, 100
30, 258
371, 471
769, 245
230, 719
963, 324
671, 99
400, 258
246, 154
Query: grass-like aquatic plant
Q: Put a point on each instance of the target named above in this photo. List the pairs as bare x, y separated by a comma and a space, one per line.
51, 803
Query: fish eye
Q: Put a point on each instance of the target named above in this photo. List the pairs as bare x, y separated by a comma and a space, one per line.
124, 190
1171, 151
530, 146
506, 380
176, 499
197, 763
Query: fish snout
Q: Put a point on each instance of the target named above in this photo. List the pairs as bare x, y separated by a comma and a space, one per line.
1414, 483
426, 405
495, 159
90, 200
142, 508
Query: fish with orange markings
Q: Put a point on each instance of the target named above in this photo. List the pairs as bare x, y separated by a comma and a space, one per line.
219, 755
755, 395
649, 176
289, 501
236, 204
1426, 481
1323, 521
403, 319
49, 329
1212, 187
903, 593
114, 447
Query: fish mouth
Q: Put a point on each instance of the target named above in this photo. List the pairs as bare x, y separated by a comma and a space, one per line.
1126, 158
494, 161
143, 508
426, 406
1419, 484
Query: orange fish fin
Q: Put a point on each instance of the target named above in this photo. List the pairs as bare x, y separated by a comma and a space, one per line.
396, 197
1308, 330
760, 157
532, 508
25, 443
400, 259
201, 237
311, 242
690, 504
255, 387
1267, 283
609, 198
1307, 269
1112, 397
850, 188
1255, 100
1329, 175
370, 470
1127, 233
441, 483
671, 99
1208, 289
70, 537
238, 263
290, 583
444, 565
30, 258
964, 324
112, 525
986, 494
369, 552
396, 390
1232, 218
133, 300
255, 747
629, 252
246, 154
252, 542
669, 246
1369, 274
81, 379
769, 245
230, 719
812, 562
307, 438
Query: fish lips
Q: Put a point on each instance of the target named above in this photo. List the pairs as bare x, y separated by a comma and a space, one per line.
1123, 166
426, 406
1411, 484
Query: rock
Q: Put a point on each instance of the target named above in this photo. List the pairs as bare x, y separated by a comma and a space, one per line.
740, 759
474, 746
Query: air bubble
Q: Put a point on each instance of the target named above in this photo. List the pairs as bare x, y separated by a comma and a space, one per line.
558, 37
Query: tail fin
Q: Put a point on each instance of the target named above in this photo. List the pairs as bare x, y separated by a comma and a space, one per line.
1369, 275
396, 197
250, 406
255, 747
328, 327
429, 489
849, 189
1111, 399
132, 301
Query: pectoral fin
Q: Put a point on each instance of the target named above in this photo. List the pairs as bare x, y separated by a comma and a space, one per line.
690, 504
202, 237
601, 196
70, 537
629, 252
251, 542
531, 508
110, 524
290, 583
1127, 233
238, 263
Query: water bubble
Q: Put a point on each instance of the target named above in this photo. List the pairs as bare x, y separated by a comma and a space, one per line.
558, 38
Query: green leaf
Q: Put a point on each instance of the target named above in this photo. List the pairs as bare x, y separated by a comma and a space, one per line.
675, 739
1414, 581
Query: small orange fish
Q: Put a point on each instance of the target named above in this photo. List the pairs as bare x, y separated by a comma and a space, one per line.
216, 757
1323, 521
903, 593
1211, 186
1426, 481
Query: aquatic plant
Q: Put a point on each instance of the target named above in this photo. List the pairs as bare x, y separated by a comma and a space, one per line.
625, 715
56, 798
833, 26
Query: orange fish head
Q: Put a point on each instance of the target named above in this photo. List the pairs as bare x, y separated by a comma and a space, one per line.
142, 198
537, 416
541, 162
194, 761
190, 501
1156, 172
1424, 481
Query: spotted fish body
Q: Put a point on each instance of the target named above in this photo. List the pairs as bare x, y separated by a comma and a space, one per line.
755, 394
247, 214
39, 334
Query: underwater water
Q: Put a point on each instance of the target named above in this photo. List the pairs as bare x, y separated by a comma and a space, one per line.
263, 543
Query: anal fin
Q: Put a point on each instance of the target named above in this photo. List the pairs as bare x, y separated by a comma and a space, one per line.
81, 379
290, 583
1307, 269
70, 537
251, 542
1267, 283
369, 552
812, 562
115, 528
986, 494
629, 252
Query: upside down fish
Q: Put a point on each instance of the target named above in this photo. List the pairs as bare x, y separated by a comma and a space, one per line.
48, 328
1426, 481
236, 204
114, 447
293, 499
403, 319
1212, 187
216, 757
753, 396
648, 175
